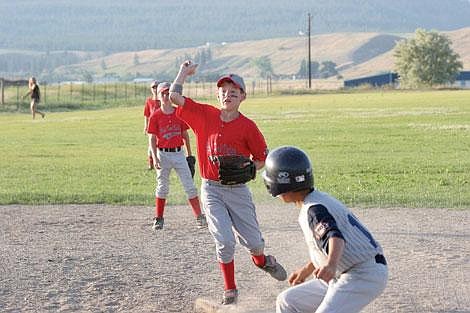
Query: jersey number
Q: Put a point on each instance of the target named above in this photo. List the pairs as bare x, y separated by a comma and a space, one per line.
355, 222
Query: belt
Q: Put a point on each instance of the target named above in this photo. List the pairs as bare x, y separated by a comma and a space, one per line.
380, 259
177, 149
218, 184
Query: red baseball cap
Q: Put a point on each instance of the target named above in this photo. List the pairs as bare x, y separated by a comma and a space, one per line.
234, 79
162, 87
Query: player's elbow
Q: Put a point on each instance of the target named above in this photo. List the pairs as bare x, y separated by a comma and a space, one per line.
176, 98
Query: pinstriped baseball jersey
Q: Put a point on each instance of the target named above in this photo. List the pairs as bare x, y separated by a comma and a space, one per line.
323, 216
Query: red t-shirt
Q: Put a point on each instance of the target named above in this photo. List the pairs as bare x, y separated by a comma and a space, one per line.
150, 106
168, 129
215, 137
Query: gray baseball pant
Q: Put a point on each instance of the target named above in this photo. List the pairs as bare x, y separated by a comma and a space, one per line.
231, 215
177, 161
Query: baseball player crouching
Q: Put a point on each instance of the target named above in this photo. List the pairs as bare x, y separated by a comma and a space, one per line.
166, 136
347, 263
230, 150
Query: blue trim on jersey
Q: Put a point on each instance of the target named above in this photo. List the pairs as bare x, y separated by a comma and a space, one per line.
323, 225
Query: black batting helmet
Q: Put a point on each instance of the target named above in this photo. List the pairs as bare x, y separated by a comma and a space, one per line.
287, 169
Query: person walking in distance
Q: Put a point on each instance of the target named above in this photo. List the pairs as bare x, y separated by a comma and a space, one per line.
151, 104
35, 94
167, 133
225, 136
346, 262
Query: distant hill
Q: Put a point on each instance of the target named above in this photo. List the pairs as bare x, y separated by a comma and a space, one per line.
385, 62
356, 54
125, 25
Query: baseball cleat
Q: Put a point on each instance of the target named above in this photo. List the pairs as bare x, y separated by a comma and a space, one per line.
230, 296
274, 268
157, 223
201, 221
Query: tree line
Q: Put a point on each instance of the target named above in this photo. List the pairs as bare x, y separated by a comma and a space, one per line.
318, 70
427, 59
24, 63
123, 25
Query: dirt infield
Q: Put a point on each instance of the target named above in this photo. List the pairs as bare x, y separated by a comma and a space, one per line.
96, 258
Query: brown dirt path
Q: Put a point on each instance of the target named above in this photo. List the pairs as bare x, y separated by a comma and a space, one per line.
69, 258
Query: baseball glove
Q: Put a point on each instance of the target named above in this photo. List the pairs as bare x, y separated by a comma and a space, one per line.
235, 169
191, 164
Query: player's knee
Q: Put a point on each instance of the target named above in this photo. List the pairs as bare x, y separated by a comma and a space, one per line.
225, 251
282, 302
225, 256
161, 193
191, 192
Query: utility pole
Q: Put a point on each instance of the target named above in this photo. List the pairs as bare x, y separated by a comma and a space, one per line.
2, 91
309, 53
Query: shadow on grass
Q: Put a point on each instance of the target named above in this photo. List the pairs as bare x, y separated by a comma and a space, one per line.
23, 108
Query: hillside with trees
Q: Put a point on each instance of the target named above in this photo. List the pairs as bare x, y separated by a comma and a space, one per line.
386, 62
123, 39
335, 55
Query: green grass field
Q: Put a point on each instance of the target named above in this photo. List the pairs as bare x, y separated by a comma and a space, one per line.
390, 149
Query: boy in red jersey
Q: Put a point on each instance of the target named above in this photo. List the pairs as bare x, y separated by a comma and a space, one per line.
229, 209
167, 133
151, 104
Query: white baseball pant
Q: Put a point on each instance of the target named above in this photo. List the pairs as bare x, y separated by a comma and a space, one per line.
177, 161
349, 293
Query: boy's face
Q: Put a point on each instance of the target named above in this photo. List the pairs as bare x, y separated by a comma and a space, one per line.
153, 89
296, 197
230, 96
286, 197
164, 96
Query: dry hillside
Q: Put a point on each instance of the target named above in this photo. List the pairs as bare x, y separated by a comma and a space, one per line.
385, 62
356, 54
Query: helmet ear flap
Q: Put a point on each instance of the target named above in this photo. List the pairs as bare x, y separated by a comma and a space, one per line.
287, 169
269, 184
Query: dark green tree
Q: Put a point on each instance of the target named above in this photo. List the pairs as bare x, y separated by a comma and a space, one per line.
209, 54
303, 70
263, 65
87, 77
327, 69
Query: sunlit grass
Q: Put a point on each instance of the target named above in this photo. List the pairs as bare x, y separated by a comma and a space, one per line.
406, 149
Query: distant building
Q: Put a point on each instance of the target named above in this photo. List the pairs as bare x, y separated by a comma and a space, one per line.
143, 80
374, 81
462, 80
17, 82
